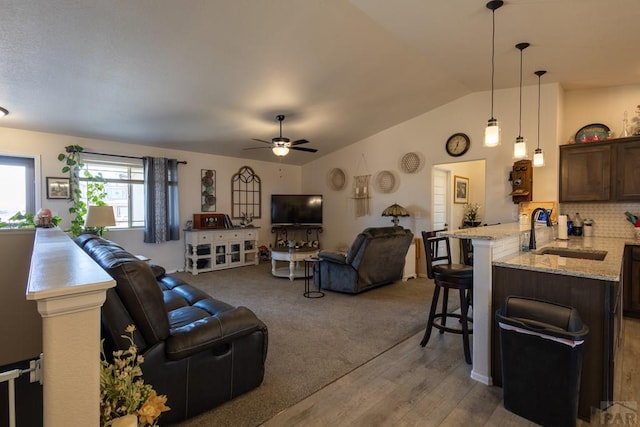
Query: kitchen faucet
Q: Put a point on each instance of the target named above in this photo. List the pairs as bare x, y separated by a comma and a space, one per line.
532, 234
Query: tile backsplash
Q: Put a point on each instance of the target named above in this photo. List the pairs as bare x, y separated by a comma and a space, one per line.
608, 218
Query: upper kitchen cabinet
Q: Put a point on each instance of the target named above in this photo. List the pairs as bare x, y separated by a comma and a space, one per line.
585, 172
628, 170
600, 171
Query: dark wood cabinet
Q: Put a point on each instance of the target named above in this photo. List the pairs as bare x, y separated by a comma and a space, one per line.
600, 171
599, 304
628, 171
632, 281
585, 172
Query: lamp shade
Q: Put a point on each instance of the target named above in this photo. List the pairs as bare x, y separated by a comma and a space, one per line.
100, 216
395, 210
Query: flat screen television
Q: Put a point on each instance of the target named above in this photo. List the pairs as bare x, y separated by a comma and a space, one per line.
298, 209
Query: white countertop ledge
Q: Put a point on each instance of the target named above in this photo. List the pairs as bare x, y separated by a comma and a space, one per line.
60, 268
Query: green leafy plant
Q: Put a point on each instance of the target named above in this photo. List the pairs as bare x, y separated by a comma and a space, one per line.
96, 191
25, 220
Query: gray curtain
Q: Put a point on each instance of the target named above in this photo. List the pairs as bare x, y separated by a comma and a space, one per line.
161, 200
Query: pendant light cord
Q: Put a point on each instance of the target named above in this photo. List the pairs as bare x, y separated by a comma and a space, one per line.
520, 119
538, 147
493, 55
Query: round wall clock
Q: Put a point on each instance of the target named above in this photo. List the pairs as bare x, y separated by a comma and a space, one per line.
457, 144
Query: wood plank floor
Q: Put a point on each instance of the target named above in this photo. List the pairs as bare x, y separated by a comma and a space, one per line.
413, 386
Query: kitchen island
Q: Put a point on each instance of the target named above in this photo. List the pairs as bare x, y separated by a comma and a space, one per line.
500, 269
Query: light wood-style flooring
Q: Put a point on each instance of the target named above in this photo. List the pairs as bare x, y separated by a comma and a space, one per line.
413, 386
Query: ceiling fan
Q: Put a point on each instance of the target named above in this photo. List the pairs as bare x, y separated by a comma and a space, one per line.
281, 145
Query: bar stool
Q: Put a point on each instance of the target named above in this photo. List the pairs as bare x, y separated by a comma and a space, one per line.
447, 275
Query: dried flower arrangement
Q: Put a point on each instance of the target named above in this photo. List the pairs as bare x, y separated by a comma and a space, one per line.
123, 391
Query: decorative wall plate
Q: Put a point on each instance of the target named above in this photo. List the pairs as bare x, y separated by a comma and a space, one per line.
410, 163
386, 182
337, 179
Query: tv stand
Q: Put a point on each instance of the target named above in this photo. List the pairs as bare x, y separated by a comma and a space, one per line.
303, 235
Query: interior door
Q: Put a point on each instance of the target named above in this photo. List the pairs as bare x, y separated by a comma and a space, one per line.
440, 199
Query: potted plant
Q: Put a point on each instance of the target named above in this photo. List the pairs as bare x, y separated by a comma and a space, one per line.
471, 217
125, 399
96, 191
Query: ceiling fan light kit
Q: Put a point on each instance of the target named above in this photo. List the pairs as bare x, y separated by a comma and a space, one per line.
492, 131
280, 145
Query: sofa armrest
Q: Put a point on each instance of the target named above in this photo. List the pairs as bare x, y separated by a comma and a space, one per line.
336, 257
212, 331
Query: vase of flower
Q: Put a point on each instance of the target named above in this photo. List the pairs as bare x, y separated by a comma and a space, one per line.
471, 217
125, 421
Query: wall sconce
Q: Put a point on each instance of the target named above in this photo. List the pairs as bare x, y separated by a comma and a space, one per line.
395, 210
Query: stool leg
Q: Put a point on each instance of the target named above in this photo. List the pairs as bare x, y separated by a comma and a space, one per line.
445, 306
464, 309
432, 313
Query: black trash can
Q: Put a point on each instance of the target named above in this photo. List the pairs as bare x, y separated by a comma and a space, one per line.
541, 346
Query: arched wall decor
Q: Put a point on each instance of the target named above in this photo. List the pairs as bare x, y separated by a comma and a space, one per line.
246, 194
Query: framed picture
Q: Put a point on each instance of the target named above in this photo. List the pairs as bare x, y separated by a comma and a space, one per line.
58, 188
460, 189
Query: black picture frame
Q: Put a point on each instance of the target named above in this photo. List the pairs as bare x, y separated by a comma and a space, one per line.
58, 188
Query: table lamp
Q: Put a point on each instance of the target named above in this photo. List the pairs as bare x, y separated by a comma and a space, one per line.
99, 217
395, 210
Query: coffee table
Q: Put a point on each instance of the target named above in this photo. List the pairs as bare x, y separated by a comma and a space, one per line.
293, 257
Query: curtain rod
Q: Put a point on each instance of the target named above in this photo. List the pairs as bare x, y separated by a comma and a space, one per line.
182, 162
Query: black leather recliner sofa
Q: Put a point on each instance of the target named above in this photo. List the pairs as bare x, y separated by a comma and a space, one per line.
376, 257
197, 350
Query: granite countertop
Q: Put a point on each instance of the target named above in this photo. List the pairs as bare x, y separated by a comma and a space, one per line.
490, 232
609, 269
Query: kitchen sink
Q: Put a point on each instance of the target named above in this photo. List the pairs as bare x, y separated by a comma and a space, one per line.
573, 253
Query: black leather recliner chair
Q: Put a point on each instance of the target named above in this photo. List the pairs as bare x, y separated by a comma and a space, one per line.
376, 257
197, 350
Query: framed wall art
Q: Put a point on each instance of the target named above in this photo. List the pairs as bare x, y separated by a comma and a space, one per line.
460, 189
58, 188
208, 195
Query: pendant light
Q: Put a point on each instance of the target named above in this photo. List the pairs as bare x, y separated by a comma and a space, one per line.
492, 131
538, 157
520, 146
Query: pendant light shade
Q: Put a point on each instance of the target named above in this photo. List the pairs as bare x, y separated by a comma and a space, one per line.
492, 131
520, 146
538, 156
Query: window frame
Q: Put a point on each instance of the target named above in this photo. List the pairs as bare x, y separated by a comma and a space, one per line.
129, 165
31, 165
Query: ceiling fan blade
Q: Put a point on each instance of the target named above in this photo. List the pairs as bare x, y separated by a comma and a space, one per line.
300, 141
310, 150
262, 140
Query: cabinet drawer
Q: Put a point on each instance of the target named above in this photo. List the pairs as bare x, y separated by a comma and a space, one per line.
204, 237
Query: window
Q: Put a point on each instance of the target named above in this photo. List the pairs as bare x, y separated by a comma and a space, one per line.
124, 185
19, 195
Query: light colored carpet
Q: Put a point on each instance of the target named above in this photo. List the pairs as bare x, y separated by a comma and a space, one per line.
312, 342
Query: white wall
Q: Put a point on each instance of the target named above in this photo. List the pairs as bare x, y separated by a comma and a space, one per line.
605, 105
426, 135
276, 178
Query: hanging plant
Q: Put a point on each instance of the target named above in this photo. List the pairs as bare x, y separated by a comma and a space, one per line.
96, 191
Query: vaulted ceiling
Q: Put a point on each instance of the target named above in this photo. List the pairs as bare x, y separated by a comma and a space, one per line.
210, 75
